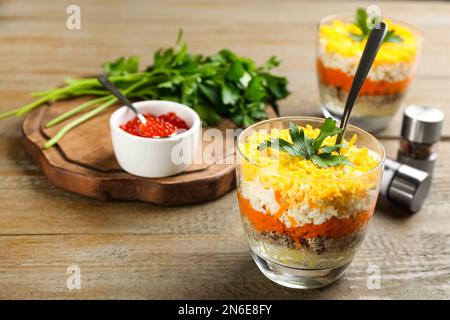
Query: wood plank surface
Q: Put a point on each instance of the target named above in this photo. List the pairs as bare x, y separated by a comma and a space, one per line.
136, 250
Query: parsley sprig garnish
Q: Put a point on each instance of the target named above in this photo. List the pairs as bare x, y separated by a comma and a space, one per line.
361, 18
311, 149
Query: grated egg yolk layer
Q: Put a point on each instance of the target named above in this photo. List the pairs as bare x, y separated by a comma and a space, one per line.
337, 39
300, 181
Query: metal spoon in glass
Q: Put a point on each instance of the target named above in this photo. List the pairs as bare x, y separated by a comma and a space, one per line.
108, 85
373, 43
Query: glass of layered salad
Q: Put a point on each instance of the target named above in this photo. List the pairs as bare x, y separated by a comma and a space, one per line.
305, 202
341, 41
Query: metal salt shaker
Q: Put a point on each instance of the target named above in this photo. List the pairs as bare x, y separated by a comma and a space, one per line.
407, 181
421, 129
405, 185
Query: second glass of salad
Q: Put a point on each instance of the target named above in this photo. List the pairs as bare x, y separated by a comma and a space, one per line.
341, 41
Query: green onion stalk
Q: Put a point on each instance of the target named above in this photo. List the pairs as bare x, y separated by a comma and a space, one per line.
107, 102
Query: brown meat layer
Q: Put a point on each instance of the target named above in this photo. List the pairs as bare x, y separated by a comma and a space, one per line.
315, 245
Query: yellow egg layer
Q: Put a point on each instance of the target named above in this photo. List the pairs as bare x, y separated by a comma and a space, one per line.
300, 181
337, 39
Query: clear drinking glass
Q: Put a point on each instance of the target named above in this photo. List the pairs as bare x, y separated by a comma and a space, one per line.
335, 212
382, 95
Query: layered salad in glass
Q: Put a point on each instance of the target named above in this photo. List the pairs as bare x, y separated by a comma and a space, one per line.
305, 202
341, 41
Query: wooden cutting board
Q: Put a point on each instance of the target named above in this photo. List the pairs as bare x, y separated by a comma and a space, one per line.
83, 162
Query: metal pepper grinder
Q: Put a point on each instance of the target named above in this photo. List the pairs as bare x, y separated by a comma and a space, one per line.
407, 182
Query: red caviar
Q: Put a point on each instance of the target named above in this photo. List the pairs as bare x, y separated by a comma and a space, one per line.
173, 119
157, 126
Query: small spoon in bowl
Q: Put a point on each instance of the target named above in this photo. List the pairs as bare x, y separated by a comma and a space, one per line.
108, 85
373, 44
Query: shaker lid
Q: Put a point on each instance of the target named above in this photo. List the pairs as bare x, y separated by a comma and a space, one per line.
422, 124
409, 187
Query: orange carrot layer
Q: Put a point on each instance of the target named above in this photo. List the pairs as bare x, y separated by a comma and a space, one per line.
332, 228
338, 78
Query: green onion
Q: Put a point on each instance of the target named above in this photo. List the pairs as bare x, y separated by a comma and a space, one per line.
76, 110
89, 115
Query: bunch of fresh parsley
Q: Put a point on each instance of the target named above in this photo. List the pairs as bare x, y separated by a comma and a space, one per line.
219, 86
361, 21
311, 149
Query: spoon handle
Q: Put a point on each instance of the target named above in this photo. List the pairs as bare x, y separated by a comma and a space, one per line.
373, 43
108, 85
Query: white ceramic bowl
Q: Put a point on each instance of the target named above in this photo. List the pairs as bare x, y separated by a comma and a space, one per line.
155, 157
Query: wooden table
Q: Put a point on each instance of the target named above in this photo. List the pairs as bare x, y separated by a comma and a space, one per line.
137, 250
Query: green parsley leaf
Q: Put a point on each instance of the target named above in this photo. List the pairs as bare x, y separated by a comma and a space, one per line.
255, 90
295, 133
230, 95
245, 80
392, 37
358, 37
236, 71
270, 64
208, 115
330, 149
326, 160
280, 144
327, 129
308, 148
121, 66
361, 20
212, 93
257, 110
179, 37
